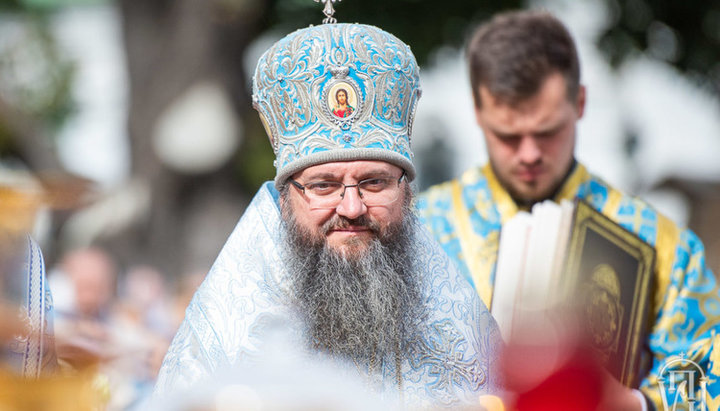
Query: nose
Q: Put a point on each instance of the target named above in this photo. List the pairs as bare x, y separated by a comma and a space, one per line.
351, 206
529, 150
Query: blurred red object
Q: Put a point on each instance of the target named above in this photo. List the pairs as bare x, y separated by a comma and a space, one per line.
576, 386
551, 377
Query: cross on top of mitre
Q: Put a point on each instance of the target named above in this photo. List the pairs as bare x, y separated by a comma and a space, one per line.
328, 10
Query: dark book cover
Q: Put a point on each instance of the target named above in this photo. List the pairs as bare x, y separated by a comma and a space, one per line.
608, 272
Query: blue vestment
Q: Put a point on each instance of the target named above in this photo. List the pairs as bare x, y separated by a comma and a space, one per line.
466, 216
30, 355
246, 289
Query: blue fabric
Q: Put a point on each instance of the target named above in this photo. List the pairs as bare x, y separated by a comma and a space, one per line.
32, 355
686, 308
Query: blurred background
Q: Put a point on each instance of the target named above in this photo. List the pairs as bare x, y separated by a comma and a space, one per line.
149, 101
137, 115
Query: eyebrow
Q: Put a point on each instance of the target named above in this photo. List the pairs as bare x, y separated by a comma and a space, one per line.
375, 173
362, 175
501, 134
322, 176
552, 129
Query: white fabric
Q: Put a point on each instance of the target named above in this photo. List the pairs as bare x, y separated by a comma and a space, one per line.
245, 296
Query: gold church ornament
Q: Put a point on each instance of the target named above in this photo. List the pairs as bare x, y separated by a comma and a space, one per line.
83, 391
328, 10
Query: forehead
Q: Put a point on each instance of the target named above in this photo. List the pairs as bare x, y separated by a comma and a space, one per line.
351, 169
548, 106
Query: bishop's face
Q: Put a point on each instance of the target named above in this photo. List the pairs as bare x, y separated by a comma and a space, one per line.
349, 227
530, 145
355, 245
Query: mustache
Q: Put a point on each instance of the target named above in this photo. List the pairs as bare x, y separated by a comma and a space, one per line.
341, 222
384, 319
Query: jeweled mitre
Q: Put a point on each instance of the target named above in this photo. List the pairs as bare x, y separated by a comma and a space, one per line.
337, 92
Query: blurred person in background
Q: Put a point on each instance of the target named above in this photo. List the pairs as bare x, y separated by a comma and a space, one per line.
92, 332
144, 300
525, 78
143, 328
91, 276
331, 252
182, 296
27, 344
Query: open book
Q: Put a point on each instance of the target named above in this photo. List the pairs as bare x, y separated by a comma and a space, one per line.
569, 255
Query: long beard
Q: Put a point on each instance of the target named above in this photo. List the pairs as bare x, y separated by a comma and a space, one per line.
361, 304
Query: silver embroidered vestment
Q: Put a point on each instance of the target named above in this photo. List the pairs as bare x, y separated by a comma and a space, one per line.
32, 355
452, 361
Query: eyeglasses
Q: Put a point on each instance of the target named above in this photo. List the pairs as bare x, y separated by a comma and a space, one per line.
373, 191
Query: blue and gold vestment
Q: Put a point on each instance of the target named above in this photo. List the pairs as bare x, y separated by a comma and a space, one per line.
465, 215
247, 289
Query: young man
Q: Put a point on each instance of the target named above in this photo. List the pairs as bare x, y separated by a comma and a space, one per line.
525, 78
332, 248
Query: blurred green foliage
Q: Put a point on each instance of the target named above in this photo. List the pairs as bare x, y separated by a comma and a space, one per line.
683, 33
36, 5
10, 5
423, 24
254, 163
35, 76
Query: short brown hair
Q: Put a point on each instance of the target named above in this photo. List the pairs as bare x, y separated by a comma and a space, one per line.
516, 51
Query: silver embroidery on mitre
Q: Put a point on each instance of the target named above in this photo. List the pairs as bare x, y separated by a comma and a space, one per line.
301, 81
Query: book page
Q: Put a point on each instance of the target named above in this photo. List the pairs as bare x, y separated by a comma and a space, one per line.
559, 294
542, 247
509, 271
530, 260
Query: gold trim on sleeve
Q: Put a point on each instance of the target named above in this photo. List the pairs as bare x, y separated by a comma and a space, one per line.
668, 236
570, 187
505, 204
479, 253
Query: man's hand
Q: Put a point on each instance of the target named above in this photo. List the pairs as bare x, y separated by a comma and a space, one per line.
617, 396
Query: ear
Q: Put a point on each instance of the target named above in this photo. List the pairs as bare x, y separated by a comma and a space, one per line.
580, 102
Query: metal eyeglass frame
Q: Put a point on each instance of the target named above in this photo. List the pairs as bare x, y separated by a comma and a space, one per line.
345, 187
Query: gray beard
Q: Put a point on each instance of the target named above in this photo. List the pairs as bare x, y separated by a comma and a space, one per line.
362, 305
